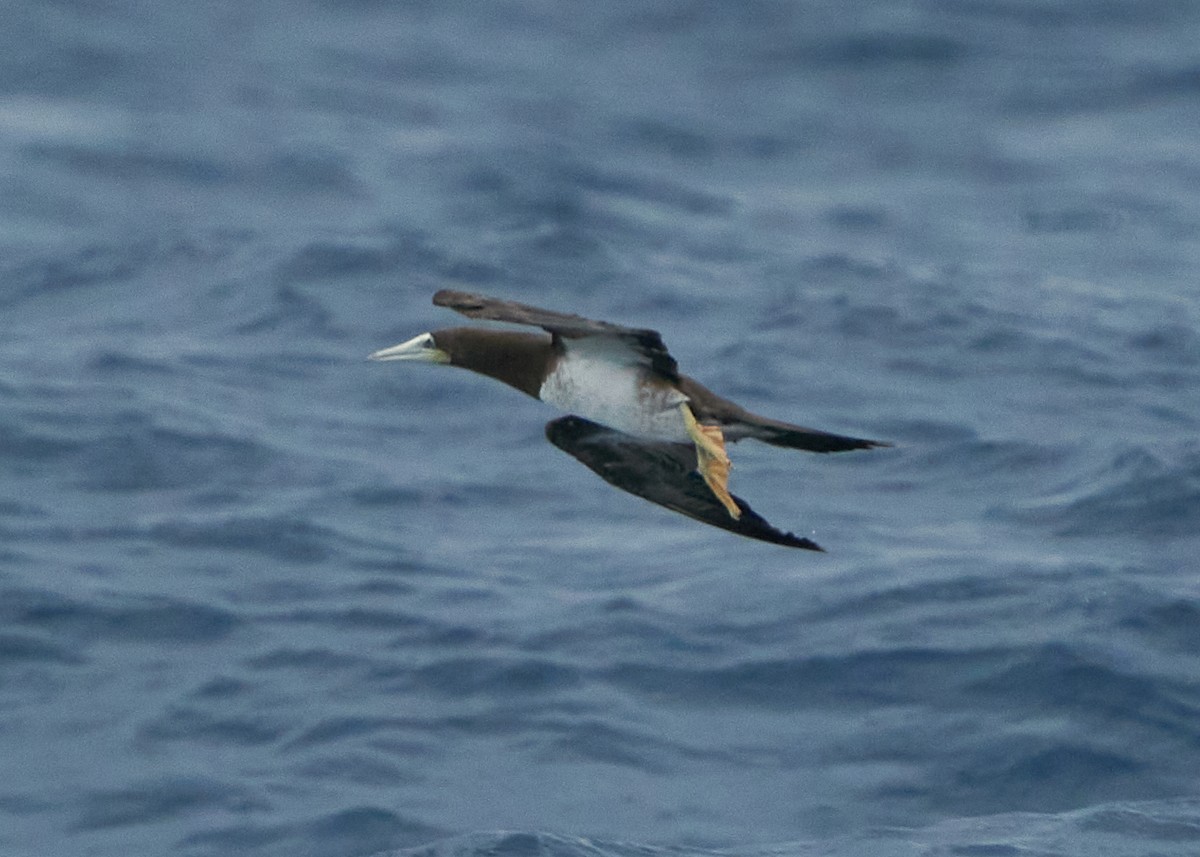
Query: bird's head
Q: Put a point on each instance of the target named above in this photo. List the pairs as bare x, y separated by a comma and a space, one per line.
520, 360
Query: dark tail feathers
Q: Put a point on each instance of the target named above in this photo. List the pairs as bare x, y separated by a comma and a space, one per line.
813, 440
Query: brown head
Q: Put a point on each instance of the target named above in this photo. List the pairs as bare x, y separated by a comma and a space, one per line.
521, 360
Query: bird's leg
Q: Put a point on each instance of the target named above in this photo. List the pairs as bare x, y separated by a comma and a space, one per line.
711, 460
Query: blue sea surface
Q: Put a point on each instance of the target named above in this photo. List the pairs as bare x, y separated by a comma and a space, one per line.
260, 596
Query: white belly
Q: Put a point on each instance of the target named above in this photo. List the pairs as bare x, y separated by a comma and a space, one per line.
613, 395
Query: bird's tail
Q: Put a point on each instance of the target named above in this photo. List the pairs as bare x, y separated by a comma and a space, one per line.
778, 433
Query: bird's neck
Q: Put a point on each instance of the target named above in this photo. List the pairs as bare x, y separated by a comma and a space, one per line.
521, 360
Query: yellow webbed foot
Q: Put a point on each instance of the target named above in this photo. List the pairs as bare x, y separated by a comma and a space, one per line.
711, 460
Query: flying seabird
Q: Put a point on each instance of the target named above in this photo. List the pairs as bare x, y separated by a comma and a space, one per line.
633, 418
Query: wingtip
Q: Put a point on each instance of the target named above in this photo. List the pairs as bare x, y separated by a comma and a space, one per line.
456, 299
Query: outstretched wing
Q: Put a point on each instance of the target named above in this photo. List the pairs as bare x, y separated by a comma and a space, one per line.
644, 346
661, 472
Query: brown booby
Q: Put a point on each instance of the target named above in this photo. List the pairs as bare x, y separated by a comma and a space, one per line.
634, 419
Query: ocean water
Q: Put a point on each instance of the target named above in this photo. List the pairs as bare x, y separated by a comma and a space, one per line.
259, 596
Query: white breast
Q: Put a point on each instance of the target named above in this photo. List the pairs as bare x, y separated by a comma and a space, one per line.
612, 394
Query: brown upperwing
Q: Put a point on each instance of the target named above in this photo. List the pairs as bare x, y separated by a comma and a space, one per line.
645, 345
